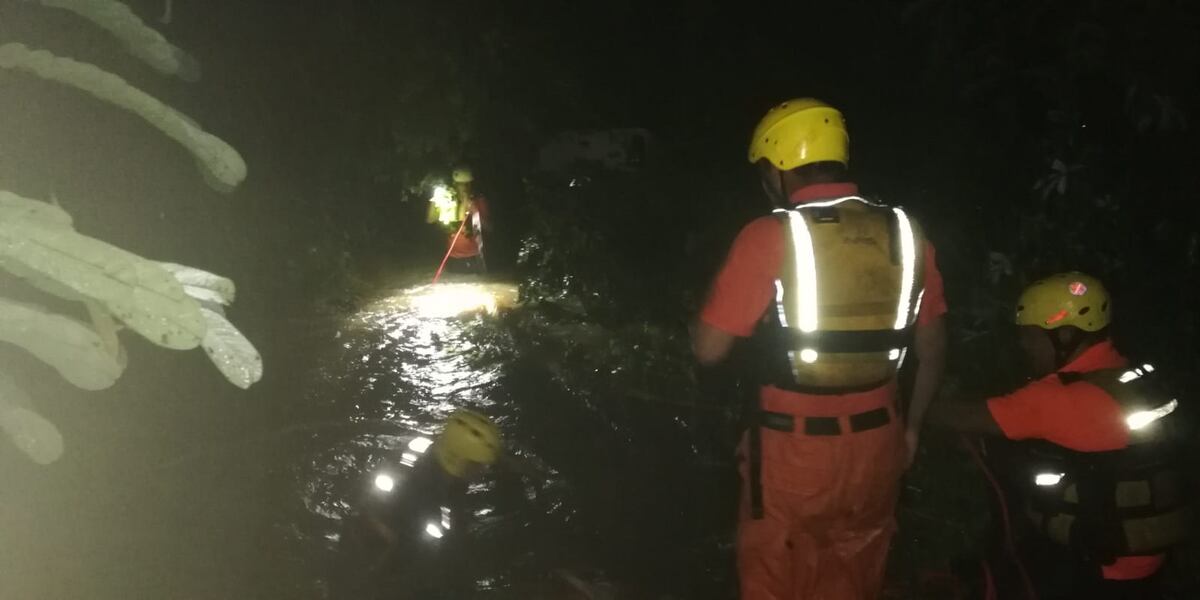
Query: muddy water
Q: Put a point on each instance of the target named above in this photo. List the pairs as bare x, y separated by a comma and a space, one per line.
593, 513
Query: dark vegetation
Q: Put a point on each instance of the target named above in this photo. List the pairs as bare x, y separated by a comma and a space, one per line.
1028, 137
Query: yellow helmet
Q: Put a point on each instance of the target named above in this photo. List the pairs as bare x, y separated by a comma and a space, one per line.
800, 132
1073, 299
468, 437
462, 175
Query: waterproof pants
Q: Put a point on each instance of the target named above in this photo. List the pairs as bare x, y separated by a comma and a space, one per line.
828, 514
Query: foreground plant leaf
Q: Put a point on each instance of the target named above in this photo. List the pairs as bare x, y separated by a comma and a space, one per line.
37, 437
75, 350
136, 291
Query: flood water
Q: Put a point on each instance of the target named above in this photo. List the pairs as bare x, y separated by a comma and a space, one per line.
589, 510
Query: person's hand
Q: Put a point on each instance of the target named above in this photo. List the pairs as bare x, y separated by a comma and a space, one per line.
912, 439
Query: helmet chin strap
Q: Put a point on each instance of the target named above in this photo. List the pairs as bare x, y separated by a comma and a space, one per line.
781, 194
1064, 349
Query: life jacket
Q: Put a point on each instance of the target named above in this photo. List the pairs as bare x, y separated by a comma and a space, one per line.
847, 297
413, 495
446, 207
1117, 503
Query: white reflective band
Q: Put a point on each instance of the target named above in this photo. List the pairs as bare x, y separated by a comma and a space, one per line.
908, 252
916, 307
1128, 376
1148, 367
1048, 479
779, 303
408, 459
894, 354
420, 444
434, 531
806, 273
809, 355
1142, 418
445, 518
903, 353
837, 201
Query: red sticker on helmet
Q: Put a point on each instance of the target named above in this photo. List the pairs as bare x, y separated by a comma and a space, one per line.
1056, 317
1077, 288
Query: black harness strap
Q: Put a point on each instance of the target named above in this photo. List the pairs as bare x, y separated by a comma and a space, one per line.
756, 491
753, 408
847, 341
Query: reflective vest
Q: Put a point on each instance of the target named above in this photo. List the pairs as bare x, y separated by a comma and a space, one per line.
847, 296
414, 495
1118, 503
449, 210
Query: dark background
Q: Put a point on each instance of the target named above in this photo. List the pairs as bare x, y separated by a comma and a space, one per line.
1028, 137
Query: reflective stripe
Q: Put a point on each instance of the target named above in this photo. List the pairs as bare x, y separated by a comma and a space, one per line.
806, 302
806, 272
783, 321
908, 250
1142, 418
1048, 479
1131, 375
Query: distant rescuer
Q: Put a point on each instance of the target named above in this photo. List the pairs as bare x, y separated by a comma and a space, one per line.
1099, 479
463, 215
833, 289
411, 514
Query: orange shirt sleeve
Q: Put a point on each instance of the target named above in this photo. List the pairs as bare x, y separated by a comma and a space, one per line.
745, 285
933, 303
1079, 416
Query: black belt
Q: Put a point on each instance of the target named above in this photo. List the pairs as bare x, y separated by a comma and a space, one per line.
864, 421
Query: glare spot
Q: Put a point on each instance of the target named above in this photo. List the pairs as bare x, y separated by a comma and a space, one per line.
420, 444
808, 355
385, 482
433, 531
894, 354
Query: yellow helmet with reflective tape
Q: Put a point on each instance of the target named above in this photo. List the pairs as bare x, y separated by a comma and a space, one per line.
798, 132
468, 437
462, 175
1066, 299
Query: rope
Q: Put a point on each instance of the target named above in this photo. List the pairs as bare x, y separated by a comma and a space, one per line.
453, 241
1009, 545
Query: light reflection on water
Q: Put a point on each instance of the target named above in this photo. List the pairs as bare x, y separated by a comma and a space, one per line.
589, 496
409, 368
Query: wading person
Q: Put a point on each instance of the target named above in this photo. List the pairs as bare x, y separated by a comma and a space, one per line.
411, 514
1096, 471
463, 215
834, 292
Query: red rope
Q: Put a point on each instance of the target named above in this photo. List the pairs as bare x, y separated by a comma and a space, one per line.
1004, 515
453, 241
989, 584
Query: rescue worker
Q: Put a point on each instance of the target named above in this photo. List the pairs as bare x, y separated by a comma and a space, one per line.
835, 290
462, 215
1098, 478
411, 514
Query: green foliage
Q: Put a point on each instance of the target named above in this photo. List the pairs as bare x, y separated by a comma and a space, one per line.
172, 306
